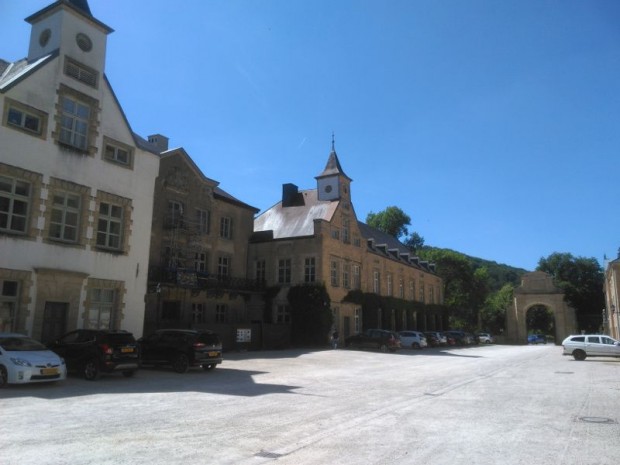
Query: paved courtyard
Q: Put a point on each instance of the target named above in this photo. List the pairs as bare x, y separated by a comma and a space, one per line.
483, 405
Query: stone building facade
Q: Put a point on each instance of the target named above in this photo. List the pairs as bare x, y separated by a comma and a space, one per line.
198, 255
611, 314
76, 185
314, 236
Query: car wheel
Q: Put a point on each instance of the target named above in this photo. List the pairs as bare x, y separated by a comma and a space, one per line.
91, 370
4, 376
415, 345
129, 373
383, 348
579, 355
181, 364
209, 367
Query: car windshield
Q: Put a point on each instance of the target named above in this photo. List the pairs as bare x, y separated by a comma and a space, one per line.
20, 344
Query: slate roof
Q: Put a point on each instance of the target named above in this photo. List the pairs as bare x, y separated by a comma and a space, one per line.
298, 220
12, 73
333, 167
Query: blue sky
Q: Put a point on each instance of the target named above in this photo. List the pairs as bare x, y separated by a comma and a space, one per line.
495, 125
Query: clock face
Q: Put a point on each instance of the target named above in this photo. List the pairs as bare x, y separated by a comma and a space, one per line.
328, 188
84, 42
44, 38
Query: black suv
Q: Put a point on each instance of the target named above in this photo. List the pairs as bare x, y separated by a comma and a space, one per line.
182, 348
93, 351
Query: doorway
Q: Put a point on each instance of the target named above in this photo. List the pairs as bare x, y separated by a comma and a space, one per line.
54, 321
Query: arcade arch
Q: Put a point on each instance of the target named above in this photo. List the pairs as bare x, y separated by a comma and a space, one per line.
537, 290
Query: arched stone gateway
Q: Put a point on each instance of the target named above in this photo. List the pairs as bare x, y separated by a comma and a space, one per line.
537, 289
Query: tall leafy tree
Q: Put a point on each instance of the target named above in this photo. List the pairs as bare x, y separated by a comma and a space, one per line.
464, 289
415, 242
493, 313
392, 221
582, 281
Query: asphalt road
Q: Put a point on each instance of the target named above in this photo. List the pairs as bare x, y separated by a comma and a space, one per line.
480, 405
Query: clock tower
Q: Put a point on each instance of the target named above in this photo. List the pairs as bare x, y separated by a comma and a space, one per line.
333, 183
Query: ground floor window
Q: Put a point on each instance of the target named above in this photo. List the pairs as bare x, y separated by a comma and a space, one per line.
198, 313
221, 313
101, 309
283, 314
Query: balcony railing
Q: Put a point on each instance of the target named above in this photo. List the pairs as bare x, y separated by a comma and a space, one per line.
192, 279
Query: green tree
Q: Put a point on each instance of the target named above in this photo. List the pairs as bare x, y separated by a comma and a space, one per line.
311, 316
392, 221
464, 293
582, 281
493, 313
414, 242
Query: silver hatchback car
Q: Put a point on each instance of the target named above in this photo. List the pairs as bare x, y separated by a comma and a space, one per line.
412, 339
581, 346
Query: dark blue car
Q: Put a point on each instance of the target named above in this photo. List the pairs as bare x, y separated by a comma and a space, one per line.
537, 339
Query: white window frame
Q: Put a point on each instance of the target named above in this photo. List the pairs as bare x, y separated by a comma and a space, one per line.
101, 309
284, 271
223, 266
75, 117
60, 219
200, 262
283, 314
221, 313
334, 273
15, 198
20, 117
111, 221
198, 313
203, 220
310, 269
226, 227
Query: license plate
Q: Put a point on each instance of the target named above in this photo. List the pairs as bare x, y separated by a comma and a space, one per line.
49, 371
214, 354
126, 349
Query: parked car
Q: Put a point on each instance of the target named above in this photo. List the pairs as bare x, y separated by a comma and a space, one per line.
471, 339
436, 338
590, 345
182, 349
374, 339
413, 339
95, 351
537, 339
485, 338
25, 360
460, 338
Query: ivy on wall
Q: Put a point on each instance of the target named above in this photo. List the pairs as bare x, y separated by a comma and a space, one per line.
387, 312
311, 316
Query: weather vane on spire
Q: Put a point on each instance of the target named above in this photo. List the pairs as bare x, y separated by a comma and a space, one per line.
333, 142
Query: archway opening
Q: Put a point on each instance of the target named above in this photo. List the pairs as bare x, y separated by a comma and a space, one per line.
540, 322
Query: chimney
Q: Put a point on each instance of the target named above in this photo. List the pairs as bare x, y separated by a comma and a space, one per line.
159, 141
289, 195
